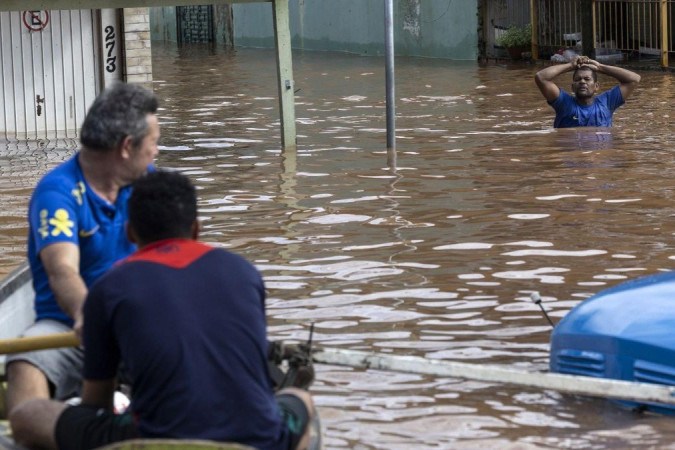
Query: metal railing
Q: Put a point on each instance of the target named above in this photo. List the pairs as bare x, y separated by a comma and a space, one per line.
622, 29
630, 26
559, 24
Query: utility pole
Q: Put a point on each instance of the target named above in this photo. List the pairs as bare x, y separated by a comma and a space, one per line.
587, 34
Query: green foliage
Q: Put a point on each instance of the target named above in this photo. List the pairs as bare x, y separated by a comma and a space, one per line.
516, 36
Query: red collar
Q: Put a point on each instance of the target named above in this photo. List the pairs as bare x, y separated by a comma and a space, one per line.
176, 253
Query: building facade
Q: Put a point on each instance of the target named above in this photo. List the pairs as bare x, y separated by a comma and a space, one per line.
428, 28
55, 62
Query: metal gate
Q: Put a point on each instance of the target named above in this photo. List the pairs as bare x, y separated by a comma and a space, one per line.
622, 29
643, 28
195, 24
50, 72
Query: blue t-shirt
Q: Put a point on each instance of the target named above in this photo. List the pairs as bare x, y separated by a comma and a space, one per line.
188, 323
568, 113
64, 209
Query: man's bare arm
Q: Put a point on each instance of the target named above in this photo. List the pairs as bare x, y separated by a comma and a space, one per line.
544, 79
628, 80
62, 264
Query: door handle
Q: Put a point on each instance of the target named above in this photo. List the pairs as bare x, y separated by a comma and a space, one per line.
39, 100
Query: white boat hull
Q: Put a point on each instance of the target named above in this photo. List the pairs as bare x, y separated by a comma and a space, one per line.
16, 304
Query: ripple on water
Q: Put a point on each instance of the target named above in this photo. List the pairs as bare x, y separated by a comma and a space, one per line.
524, 216
173, 148
543, 274
333, 219
465, 246
366, 313
574, 253
539, 420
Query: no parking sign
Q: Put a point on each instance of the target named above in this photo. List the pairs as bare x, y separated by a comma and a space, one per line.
35, 20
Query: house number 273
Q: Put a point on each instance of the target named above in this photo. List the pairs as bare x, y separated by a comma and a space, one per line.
111, 61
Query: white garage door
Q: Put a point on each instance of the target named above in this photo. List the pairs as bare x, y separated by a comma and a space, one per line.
50, 72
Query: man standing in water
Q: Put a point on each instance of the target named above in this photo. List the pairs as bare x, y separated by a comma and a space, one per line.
585, 109
187, 320
76, 216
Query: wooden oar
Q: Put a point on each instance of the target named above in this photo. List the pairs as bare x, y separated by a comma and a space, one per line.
596, 387
27, 344
573, 384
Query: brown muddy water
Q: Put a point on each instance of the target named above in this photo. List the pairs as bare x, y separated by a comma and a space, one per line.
431, 251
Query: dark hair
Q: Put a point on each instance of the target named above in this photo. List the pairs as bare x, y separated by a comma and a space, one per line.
162, 205
595, 74
119, 111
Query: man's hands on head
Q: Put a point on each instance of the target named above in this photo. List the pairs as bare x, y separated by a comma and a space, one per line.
584, 62
581, 61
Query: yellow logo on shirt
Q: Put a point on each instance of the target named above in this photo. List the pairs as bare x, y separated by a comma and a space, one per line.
44, 227
61, 223
78, 192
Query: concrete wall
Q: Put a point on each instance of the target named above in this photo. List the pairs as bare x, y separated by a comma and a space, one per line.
163, 25
431, 28
223, 25
138, 50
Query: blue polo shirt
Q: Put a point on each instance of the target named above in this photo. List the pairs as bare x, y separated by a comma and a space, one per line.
568, 113
64, 209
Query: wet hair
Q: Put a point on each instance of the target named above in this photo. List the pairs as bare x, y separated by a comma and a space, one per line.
595, 74
119, 111
162, 205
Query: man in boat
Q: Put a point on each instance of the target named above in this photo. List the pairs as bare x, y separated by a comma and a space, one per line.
76, 218
187, 320
585, 109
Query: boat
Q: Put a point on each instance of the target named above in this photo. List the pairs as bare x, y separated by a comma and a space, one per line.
182, 444
16, 305
622, 333
17, 313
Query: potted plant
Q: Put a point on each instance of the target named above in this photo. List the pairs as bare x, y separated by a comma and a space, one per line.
516, 40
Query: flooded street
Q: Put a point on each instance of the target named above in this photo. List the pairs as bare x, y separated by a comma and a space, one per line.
429, 251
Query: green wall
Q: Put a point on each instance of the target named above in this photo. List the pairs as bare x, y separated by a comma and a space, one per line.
163, 24
431, 28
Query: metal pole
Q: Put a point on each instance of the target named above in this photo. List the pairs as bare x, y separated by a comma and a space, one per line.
282, 43
664, 33
389, 61
573, 384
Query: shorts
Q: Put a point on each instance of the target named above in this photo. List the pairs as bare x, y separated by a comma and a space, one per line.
294, 415
62, 366
85, 427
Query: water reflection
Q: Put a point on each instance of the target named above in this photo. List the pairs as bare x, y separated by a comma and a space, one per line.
431, 251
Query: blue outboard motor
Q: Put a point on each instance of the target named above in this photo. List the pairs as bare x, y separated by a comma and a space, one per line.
626, 333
